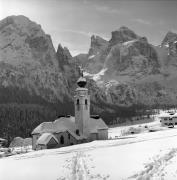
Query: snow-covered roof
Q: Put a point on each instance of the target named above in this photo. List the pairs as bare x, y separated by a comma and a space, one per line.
59, 125
45, 138
1, 139
68, 124
96, 124
168, 115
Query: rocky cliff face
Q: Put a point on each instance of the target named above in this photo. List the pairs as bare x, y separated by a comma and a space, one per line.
97, 44
123, 34
125, 55
170, 42
132, 71
33, 87
28, 60
37, 83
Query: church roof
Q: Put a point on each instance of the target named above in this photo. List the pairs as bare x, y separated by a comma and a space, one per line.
45, 138
76, 136
59, 125
96, 124
68, 124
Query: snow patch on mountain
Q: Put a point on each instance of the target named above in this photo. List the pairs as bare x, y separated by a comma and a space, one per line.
91, 57
111, 83
166, 45
128, 42
97, 76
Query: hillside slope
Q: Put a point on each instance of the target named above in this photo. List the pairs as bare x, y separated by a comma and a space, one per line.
152, 156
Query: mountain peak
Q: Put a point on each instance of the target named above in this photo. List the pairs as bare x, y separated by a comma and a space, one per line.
97, 43
122, 35
97, 39
124, 28
169, 38
21, 23
63, 56
23, 40
20, 18
63, 50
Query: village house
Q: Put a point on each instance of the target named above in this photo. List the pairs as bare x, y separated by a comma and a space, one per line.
167, 119
70, 130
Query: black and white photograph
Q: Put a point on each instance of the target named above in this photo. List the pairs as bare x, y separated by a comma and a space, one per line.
88, 89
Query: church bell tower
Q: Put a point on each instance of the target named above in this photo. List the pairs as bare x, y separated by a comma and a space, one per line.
82, 107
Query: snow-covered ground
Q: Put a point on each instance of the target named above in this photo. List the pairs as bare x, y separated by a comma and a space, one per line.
148, 155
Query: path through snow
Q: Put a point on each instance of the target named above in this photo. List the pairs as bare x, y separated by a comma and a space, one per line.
79, 168
156, 169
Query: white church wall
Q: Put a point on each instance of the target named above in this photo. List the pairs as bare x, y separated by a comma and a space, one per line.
68, 139
35, 137
82, 110
40, 147
102, 134
93, 136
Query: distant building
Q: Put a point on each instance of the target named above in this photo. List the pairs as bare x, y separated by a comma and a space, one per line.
3, 142
70, 130
168, 119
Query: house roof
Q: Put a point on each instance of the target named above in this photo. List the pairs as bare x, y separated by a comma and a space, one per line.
45, 138
168, 115
68, 124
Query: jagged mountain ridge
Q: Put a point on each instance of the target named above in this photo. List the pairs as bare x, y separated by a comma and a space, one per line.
124, 73
133, 71
125, 53
30, 78
25, 65
170, 41
33, 75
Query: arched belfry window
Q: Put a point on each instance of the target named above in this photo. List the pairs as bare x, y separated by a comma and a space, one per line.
86, 103
61, 140
77, 104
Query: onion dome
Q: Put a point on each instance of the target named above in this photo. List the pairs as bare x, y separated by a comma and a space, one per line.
81, 82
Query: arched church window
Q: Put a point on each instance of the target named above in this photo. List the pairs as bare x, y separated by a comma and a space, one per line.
77, 104
61, 140
77, 132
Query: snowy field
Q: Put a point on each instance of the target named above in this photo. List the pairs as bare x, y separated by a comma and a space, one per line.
144, 156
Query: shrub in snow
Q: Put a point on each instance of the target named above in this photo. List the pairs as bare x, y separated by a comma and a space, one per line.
131, 130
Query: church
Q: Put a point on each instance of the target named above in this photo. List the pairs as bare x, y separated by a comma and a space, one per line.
69, 130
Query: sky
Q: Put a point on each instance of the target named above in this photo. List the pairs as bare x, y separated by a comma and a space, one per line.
71, 23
